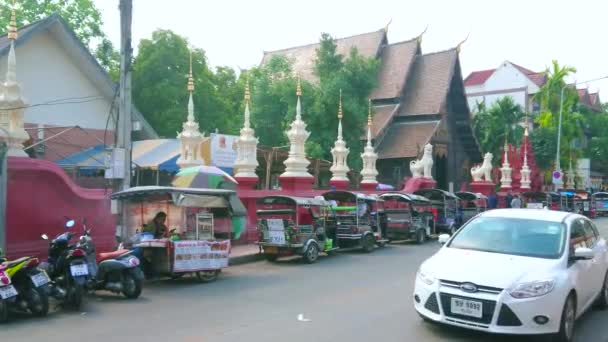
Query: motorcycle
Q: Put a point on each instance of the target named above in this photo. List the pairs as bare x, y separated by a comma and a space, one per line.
116, 271
67, 266
23, 287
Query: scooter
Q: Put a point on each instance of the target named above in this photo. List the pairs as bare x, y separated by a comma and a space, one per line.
68, 269
116, 271
23, 287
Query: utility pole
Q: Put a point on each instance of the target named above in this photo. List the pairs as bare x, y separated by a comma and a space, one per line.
3, 185
123, 141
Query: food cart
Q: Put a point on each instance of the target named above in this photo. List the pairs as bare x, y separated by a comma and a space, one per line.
536, 200
407, 217
358, 220
444, 206
599, 204
190, 245
471, 204
293, 226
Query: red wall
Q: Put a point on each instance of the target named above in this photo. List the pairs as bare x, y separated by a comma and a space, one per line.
40, 196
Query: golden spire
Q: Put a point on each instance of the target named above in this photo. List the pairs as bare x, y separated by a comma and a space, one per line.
298, 87
190, 78
340, 106
12, 25
387, 25
369, 112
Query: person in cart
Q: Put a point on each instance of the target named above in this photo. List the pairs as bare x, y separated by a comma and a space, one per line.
157, 226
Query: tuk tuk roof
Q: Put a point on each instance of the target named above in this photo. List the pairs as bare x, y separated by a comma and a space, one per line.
535, 193
428, 193
406, 197
140, 191
348, 196
600, 194
291, 200
470, 196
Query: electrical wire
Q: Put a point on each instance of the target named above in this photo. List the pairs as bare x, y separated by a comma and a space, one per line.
57, 102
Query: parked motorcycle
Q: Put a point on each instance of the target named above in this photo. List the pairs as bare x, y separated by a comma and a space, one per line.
23, 287
116, 271
67, 266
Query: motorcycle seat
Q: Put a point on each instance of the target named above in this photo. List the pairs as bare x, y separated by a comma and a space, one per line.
111, 255
13, 263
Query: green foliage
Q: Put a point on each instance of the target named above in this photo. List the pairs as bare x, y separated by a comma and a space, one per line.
160, 73
543, 142
492, 125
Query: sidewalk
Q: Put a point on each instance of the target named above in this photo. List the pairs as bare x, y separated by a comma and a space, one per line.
242, 254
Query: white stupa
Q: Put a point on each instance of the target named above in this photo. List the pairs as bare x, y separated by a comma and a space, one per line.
340, 152
190, 136
296, 164
369, 155
506, 170
246, 145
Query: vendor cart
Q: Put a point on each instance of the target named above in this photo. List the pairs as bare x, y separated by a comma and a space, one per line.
189, 246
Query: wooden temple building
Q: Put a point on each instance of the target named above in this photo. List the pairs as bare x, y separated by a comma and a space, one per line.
419, 99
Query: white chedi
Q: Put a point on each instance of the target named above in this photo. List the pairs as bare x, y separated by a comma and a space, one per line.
339, 152
369, 155
483, 172
296, 164
190, 137
506, 170
424, 166
246, 146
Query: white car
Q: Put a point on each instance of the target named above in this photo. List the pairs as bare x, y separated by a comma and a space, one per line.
516, 271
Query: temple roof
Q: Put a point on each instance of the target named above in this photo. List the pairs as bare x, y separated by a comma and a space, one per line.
303, 57
406, 139
427, 89
397, 61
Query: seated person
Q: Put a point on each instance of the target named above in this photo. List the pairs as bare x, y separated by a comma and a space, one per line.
157, 226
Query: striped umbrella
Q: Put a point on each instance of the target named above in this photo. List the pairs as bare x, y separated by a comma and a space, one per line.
204, 177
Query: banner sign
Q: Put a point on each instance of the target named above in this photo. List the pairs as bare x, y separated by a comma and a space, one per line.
223, 150
198, 255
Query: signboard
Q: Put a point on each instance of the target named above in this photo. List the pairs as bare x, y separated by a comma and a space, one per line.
557, 177
223, 150
534, 206
198, 255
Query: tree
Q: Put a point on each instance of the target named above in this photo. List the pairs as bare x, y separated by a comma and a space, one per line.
160, 73
495, 124
82, 16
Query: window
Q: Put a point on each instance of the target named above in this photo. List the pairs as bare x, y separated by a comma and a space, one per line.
577, 234
591, 235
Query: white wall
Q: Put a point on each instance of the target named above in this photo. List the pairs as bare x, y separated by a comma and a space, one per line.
46, 73
584, 171
518, 96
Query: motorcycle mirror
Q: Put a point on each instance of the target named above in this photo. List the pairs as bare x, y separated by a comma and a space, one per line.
70, 224
44, 237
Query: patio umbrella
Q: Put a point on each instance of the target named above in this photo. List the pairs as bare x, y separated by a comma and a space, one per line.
205, 177
385, 187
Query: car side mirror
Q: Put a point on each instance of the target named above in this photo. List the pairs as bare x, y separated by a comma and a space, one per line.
443, 238
582, 253
44, 237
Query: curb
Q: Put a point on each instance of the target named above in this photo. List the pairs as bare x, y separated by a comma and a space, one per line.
245, 259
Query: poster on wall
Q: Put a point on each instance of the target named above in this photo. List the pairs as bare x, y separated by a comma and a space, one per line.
223, 150
198, 255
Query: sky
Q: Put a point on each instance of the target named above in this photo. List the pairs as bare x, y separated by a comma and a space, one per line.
530, 33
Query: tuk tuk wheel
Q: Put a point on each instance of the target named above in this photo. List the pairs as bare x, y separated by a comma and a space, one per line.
312, 253
420, 236
207, 276
271, 257
368, 243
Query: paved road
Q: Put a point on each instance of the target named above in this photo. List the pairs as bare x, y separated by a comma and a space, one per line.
347, 297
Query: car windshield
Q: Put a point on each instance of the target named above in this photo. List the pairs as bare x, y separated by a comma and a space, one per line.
525, 237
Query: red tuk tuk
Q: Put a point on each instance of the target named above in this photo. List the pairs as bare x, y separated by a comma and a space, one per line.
408, 217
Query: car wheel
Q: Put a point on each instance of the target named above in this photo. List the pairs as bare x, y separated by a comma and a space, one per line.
602, 300
566, 327
420, 237
312, 253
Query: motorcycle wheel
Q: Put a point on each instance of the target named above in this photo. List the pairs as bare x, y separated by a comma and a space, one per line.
74, 298
3, 311
131, 287
207, 276
37, 302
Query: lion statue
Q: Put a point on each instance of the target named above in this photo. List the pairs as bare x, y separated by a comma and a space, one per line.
484, 171
424, 166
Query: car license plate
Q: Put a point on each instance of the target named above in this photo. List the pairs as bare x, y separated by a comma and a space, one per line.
79, 270
271, 250
7, 291
466, 307
277, 236
40, 279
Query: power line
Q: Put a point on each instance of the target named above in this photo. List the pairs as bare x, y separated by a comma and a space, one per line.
57, 102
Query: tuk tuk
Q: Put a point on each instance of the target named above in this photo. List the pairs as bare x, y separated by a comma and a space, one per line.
293, 226
571, 202
357, 220
584, 201
559, 201
471, 204
407, 217
444, 206
536, 200
599, 204
192, 217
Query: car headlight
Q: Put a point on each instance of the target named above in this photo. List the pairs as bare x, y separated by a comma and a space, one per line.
426, 277
532, 289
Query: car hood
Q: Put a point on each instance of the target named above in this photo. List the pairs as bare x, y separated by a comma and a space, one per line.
488, 269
